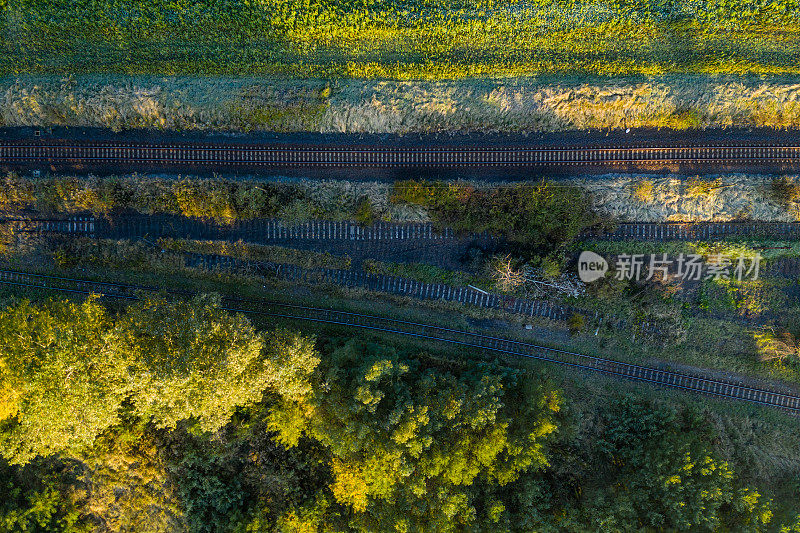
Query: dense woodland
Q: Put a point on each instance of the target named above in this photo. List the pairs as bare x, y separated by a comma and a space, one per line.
179, 416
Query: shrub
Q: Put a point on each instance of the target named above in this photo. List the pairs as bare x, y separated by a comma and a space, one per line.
423, 193
697, 187
551, 267
506, 273
205, 199
780, 345
538, 218
643, 191
784, 191
576, 323
99, 196
365, 213
57, 194
299, 210
15, 193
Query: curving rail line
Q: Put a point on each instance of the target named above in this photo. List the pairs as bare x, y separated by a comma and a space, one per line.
376, 156
781, 399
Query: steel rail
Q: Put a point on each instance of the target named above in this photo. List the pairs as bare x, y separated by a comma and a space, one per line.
42, 152
729, 389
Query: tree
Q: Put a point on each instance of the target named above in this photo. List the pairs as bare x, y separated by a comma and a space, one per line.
39, 497
67, 368
539, 218
662, 478
127, 482
648, 467
61, 378
407, 442
191, 359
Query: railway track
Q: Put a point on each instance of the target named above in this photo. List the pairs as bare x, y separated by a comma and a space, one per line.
421, 236
61, 152
696, 231
173, 226
725, 388
80, 226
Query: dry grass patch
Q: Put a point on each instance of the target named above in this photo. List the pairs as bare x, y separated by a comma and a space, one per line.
365, 106
643, 198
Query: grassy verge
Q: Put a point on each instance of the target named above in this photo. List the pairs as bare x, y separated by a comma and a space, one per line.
274, 254
722, 198
734, 246
554, 210
524, 104
223, 200
426, 273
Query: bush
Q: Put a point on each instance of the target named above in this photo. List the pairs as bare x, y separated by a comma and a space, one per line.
780, 345
697, 187
15, 193
205, 199
576, 323
784, 191
551, 267
643, 191
365, 213
538, 218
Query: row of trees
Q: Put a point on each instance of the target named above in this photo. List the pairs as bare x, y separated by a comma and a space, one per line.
69, 369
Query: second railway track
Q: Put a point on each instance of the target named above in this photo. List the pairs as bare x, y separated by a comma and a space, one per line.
134, 226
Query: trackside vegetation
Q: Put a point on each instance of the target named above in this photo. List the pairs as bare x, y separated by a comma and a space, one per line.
222, 200
399, 38
540, 218
194, 420
523, 104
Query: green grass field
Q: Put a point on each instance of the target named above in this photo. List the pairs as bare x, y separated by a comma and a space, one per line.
400, 39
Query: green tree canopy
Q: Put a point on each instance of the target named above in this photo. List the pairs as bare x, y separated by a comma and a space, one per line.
66, 369
39, 497
192, 359
61, 378
649, 467
407, 442
540, 218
